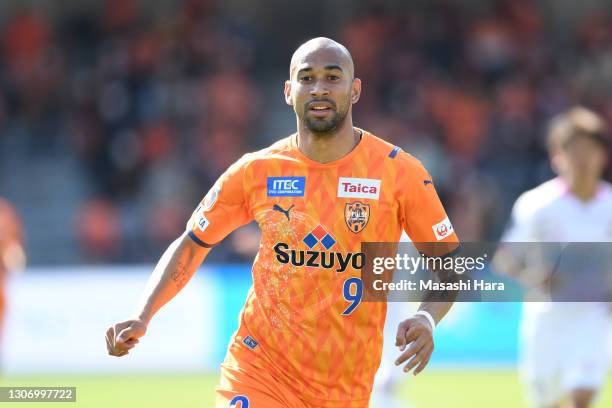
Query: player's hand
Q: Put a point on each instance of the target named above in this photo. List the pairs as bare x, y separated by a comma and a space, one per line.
417, 334
123, 336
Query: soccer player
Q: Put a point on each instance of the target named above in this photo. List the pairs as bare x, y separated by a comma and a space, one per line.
305, 339
563, 356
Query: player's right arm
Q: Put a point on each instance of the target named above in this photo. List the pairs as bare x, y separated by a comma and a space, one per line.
222, 210
426, 223
174, 269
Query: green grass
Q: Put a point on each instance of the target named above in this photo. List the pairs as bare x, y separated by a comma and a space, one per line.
434, 388
473, 388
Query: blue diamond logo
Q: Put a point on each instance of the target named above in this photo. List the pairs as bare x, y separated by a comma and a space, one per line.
328, 241
310, 240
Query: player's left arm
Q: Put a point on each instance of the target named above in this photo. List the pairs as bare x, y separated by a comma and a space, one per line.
426, 223
416, 332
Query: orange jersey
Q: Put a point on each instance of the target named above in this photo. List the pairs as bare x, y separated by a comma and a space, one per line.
302, 312
10, 233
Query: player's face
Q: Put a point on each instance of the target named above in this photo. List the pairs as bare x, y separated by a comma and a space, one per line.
583, 157
321, 91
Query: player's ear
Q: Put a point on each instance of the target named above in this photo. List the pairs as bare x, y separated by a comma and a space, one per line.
555, 161
355, 90
288, 93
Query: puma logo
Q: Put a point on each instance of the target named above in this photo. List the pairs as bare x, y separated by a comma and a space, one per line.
426, 182
280, 209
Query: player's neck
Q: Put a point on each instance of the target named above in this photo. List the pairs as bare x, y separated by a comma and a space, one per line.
583, 189
328, 148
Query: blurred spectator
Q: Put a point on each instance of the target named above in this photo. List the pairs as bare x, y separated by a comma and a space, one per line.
99, 230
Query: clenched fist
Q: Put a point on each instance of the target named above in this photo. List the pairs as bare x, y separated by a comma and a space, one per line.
123, 336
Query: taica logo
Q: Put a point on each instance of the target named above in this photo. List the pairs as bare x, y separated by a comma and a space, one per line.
358, 188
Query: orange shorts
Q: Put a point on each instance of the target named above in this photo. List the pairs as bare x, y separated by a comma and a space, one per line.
247, 382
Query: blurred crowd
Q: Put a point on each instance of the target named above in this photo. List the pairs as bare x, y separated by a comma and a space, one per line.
154, 107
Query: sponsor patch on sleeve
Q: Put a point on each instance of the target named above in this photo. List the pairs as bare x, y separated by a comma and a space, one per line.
250, 342
443, 229
211, 197
202, 222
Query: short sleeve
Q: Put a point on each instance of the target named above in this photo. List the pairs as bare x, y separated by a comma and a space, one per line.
422, 215
222, 210
521, 225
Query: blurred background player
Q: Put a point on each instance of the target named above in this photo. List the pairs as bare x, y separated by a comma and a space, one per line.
563, 344
12, 254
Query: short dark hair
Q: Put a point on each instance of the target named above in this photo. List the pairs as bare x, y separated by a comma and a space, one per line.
576, 123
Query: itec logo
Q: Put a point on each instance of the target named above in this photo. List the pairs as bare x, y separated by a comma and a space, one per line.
337, 261
358, 188
286, 186
443, 229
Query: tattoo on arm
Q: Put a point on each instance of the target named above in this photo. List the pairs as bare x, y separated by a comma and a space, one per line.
179, 275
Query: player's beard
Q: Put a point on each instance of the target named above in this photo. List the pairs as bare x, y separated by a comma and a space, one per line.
325, 126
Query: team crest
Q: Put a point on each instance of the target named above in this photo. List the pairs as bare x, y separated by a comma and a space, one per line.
356, 216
